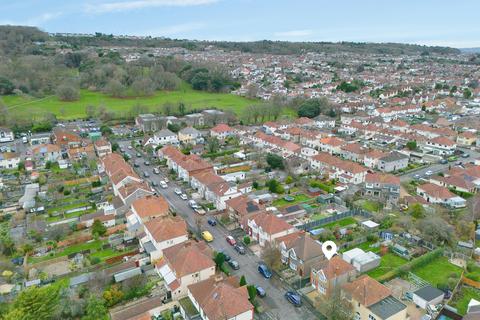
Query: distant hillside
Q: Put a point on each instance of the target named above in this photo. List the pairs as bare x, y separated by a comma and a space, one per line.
265, 46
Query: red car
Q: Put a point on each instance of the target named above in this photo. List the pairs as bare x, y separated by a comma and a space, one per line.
231, 241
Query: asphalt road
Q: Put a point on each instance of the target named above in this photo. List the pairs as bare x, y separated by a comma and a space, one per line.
438, 167
275, 303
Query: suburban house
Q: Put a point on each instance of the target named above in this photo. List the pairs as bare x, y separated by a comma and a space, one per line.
300, 252
382, 187
344, 170
322, 121
214, 188
372, 158
6, 135
455, 182
265, 227
238, 208
466, 139
102, 147
121, 174
331, 145
146, 209
219, 298
163, 233
327, 276
222, 131
40, 138
184, 264
161, 138
44, 153
66, 139
107, 218
393, 162
184, 165
189, 135
132, 191
195, 119
433, 193
441, 146
371, 300
9, 160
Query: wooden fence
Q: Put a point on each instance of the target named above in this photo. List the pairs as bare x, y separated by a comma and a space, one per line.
470, 282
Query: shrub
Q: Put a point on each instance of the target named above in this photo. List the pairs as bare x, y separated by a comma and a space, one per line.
246, 240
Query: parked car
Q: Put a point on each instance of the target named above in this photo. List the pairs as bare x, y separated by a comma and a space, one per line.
293, 298
178, 191
465, 155
199, 210
183, 196
444, 161
207, 236
264, 271
163, 184
166, 180
155, 183
193, 204
234, 264
146, 174
136, 165
139, 155
429, 172
129, 147
261, 292
156, 170
240, 249
231, 240
212, 221
417, 176
227, 256
147, 163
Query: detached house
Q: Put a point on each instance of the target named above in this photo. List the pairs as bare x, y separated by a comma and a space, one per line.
371, 300
189, 135
9, 160
433, 193
466, 139
441, 146
219, 298
161, 138
300, 252
102, 147
185, 264
329, 275
265, 227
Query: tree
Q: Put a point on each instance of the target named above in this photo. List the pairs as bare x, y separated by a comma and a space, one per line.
66, 92
252, 292
174, 127
412, 145
243, 281
246, 240
6, 86
219, 259
35, 303
90, 111
181, 108
437, 230
467, 93
275, 161
313, 107
95, 309
143, 87
275, 186
113, 295
213, 145
98, 229
336, 308
115, 89
272, 256
417, 211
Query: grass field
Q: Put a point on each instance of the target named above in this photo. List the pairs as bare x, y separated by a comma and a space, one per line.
461, 299
31, 107
438, 271
93, 245
389, 262
340, 223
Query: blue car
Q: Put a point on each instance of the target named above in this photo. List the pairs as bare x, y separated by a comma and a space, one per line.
264, 271
261, 292
293, 298
212, 221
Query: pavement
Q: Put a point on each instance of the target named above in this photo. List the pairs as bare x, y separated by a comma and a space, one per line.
275, 304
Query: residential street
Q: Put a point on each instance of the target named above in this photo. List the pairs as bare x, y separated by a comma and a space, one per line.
275, 302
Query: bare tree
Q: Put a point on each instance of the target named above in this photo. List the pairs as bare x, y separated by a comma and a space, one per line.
272, 256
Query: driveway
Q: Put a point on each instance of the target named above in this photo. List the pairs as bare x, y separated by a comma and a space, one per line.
274, 302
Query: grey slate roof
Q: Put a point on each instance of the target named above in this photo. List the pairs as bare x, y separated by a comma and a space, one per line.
429, 293
394, 156
387, 307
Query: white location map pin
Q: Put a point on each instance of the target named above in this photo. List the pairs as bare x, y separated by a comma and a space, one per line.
329, 249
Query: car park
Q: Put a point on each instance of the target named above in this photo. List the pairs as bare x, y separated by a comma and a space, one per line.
234, 264
240, 249
183, 196
264, 271
163, 184
207, 236
178, 191
212, 221
261, 292
231, 240
293, 298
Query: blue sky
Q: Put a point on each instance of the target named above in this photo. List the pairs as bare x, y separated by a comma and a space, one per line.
430, 22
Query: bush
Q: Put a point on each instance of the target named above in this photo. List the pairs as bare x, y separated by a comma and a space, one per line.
246, 240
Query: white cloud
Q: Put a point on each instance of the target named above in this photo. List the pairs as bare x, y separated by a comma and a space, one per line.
140, 4
293, 34
34, 21
174, 30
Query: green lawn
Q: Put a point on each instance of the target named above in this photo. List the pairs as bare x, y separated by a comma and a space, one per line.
67, 207
365, 246
340, 223
371, 206
437, 271
94, 245
462, 298
69, 215
71, 110
389, 262
298, 199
